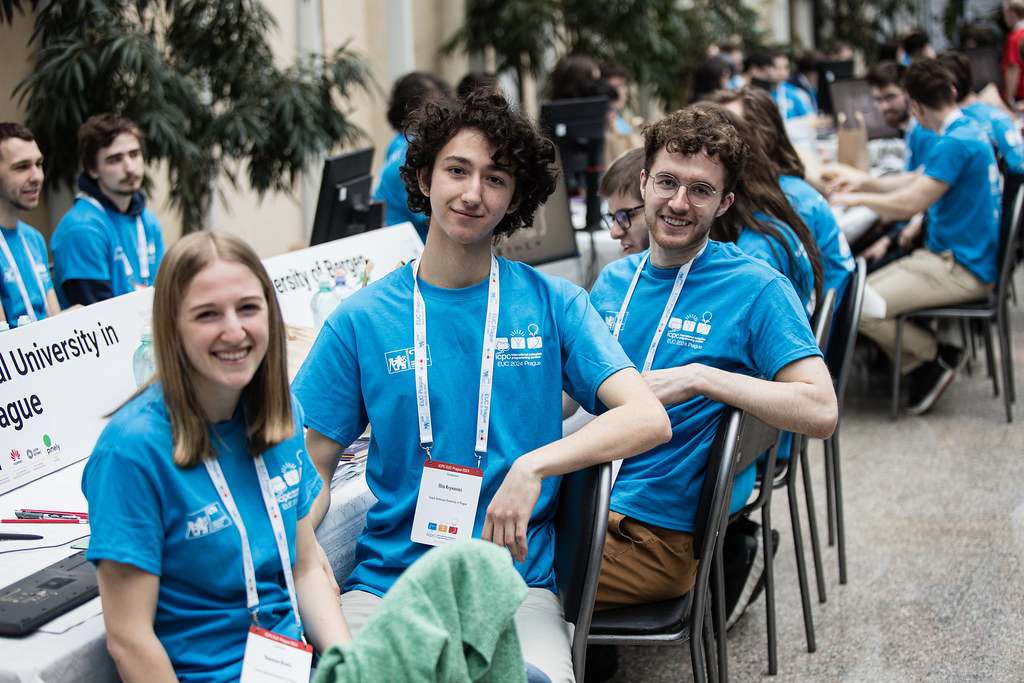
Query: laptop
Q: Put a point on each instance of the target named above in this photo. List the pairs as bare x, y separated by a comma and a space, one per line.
41, 597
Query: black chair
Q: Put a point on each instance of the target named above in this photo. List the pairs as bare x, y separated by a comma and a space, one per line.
739, 440
839, 359
992, 310
581, 522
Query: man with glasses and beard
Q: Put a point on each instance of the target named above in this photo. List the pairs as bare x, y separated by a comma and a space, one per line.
109, 243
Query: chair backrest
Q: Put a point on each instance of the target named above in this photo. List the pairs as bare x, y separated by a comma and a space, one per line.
740, 440
821, 321
581, 522
1009, 235
839, 355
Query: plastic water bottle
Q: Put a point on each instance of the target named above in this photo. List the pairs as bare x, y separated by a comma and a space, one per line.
23, 320
144, 358
341, 289
323, 304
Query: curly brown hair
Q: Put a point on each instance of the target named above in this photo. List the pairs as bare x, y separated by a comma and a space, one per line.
691, 131
518, 148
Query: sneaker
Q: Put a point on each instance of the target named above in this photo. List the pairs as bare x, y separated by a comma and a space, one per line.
931, 379
743, 566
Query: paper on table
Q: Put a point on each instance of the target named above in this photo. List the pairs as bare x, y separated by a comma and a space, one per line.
874, 304
78, 615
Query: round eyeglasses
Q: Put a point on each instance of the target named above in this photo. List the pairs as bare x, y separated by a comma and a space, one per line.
623, 217
698, 194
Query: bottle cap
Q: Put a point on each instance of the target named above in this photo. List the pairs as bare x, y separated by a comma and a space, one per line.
23, 320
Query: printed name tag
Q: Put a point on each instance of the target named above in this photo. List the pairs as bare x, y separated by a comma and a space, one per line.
273, 658
446, 505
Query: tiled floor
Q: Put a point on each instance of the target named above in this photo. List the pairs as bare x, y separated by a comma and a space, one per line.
935, 529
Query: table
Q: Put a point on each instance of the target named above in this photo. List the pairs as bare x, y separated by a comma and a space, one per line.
79, 654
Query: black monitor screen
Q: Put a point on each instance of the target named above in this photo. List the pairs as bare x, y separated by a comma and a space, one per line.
577, 126
343, 207
854, 95
985, 67
828, 73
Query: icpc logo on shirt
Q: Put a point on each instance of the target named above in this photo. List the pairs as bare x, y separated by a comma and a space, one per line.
520, 347
691, 330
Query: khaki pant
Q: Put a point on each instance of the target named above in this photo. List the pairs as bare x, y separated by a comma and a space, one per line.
544, 636
920, 280
644, 563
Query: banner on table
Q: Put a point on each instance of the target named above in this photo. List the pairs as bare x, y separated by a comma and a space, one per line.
59, 377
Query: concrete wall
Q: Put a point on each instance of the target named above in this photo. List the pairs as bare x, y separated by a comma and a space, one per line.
277, 223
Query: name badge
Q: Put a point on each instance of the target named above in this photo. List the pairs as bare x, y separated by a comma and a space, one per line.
273, 658
446, 505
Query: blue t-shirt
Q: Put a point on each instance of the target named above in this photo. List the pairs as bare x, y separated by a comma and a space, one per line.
93, 243
360, 370
396, 148
755, 326
792, 101
797, 269
837, 262
1002, 131
965, 220
919, 142
10, 294
391, 191
174, 525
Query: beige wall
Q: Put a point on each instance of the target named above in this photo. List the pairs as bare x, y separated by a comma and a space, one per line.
276, 223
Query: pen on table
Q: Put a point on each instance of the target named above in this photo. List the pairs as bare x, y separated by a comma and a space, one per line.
4, 536
61, 520
43, 514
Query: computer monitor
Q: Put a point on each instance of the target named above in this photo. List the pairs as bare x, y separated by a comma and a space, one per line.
986, 67
577, 127
550, 238
344, 207
828, 73
854, 95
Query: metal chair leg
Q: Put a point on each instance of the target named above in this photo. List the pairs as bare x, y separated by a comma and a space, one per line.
798, 549
897, 369
990, 357
718, 606
769, 589
1005, 353
812, 520
840, 522
710, 651
830, 487
967, 342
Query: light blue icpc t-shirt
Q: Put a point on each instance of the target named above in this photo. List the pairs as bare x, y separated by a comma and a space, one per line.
792, 101
169, 521
391, 190
797, 269
396, 148
359, 370
755, 326
919, 142
10, 294
965, 220
92, 243
837, 261
1002, 131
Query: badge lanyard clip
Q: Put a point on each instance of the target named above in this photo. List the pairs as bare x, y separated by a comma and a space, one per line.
486, 363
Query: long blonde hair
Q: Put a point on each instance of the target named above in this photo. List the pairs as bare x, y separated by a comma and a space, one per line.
266, 400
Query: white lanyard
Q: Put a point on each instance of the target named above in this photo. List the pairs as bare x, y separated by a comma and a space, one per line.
483, 410
677, 287
17, 273
276, 523
141, 244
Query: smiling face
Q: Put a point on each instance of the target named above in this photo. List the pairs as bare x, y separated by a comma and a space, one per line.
21, 174
224, 327
119, 167
636, 238
469, 194
677, 227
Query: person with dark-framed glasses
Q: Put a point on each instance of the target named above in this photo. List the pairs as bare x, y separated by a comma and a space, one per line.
620, 188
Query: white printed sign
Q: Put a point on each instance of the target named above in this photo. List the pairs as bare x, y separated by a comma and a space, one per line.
59, 377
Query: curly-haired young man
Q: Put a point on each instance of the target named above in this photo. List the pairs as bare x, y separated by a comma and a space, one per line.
710, 326
458, 360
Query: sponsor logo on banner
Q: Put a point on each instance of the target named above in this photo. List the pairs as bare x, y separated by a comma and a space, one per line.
15, 456
50, 445
33, 452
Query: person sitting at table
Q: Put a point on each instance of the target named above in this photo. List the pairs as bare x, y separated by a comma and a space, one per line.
620, 188
484, 346
764, 122
215, 538
25, 287
408, 94
769, 70
961, 191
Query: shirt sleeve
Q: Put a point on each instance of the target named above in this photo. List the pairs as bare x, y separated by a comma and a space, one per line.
125, 528
590, 354
328, 383
946, 160
1011, 147
84, 252
779, 332
310, 483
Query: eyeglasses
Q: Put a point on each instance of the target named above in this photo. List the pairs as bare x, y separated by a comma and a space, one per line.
623, 217
698, 194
